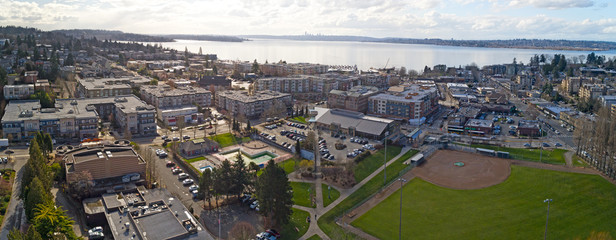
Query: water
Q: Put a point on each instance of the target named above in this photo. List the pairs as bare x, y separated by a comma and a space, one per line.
365, 54
232, 156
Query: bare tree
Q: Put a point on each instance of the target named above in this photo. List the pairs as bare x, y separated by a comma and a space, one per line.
82, 183
242, 230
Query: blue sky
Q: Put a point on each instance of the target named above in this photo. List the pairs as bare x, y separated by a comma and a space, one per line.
458, 19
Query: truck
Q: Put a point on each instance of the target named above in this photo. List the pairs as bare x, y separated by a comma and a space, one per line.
4, 142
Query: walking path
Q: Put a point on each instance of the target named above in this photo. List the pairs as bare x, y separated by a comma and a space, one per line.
560, 168
344, 193
568, 158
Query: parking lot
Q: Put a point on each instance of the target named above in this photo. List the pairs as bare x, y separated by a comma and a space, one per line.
287, 135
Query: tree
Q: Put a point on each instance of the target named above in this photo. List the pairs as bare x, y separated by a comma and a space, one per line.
275, 194
255, 67
248, 127
82, 183
70, 60
402, 72
50, 219
240, 176
298, 148
37, 194
205, 186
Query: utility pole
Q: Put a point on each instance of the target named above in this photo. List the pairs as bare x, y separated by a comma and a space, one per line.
402, 181
385, 161
545, 234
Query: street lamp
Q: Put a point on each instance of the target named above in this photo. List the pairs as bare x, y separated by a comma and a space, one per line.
329, 191
385, 161
402, 181
545, 234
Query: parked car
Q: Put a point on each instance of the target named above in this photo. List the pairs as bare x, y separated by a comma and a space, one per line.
164, 137
176, 139
546, 145
176, 170
273, 232
193, 187
186, 137
183, 176
558, 145
265, 236
526, 144
202, 128
187, 181
254, 204
170, 164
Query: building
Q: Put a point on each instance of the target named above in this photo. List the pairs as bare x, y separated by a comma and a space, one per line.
314, 87
607, 100
74, 119
571, 85
355, 124
409, 102
524, 82
31, 76
497, 98
529, 128
106, 163
198, 147
162, 96
478, 127
12, 92
592, 91
355, 99
251, 105
141, 213
94, 88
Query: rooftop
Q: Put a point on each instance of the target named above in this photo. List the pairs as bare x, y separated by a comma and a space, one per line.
71, 108
479, 123
528, 124
96, 153
357, 91
407, 93
243, 96
167, 91
346, 119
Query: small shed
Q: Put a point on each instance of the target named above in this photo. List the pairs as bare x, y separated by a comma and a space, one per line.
416, 160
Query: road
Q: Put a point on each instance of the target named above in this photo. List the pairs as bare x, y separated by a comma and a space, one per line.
15, 216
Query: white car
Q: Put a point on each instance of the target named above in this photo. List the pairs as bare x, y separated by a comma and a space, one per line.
183, 176
188, 181
254, 204
193, 187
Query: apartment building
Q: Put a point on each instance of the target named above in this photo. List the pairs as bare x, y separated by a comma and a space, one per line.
355, 99
308, 86
592, 91
571, 85
412, 102
162, 96
95, 88
72, 119
251, 105
12, 92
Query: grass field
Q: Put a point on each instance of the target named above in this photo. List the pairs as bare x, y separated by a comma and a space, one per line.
553, 156
513, 209
227, 139
578, 161
327, 193
326, 222
300, 119
298, 219
288, 165
301, 195
314, 237
374, 161
190, 160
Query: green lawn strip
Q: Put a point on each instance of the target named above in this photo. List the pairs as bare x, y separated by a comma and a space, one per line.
327, 193
513, 209
553, 156
300, 119
326, 222
314, 237
288, 165
301, 193
374, 161
298, 220
227, 139
578, 161
191, 160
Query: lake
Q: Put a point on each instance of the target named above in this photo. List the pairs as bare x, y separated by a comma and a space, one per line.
365, 54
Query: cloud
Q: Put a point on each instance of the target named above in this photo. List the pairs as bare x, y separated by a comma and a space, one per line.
553, 4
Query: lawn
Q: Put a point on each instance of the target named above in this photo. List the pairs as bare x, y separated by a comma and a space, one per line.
326, 222
578, 161
6, 188
335, 194
227, 139
298, 220
374, 161
288, 165
314, 237
302, 192
300, 119
191, 160
553, 156
513, 209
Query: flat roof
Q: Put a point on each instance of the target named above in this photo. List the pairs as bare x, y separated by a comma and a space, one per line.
479, 123
407, 93
346, 119
243, 96
96, 153
168, 91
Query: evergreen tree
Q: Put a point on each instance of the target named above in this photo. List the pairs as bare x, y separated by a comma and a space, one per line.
240, 176
32, 234
70, 60
50, 219
205, 186
36, 195
275, 194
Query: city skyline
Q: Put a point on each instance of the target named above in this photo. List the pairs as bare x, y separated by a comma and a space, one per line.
453, 19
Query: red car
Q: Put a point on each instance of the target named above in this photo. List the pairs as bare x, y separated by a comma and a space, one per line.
273, 232
170, 164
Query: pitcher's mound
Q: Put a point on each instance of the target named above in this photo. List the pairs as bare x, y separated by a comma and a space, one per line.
477, 171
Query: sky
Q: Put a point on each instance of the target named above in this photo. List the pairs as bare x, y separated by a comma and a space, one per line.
447, 19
